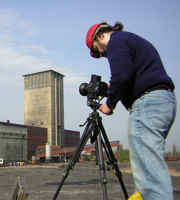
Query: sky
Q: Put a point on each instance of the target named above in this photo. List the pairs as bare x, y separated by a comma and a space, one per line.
41, 35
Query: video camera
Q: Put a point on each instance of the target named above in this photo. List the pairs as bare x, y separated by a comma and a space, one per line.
94, 90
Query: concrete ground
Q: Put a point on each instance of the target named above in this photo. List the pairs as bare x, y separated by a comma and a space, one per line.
41, 182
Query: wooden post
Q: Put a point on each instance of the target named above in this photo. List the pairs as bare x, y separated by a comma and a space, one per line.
118, 153
18, 193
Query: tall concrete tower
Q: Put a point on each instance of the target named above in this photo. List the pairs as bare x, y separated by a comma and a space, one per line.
44, 103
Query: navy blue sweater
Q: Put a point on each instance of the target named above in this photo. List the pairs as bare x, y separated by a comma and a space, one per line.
135, 67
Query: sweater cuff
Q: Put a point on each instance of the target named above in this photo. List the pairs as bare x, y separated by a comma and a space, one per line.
111, 104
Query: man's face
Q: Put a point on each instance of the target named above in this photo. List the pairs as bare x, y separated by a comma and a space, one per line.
99, 47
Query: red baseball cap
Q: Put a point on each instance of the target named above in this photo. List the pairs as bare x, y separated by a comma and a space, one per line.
90, 36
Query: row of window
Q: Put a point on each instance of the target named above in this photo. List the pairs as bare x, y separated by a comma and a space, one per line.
38, 81
12, 134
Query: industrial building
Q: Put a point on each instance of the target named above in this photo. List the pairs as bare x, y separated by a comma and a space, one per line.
36, 136
71, 138
14, 141
19, 142
90, 148
43, 132
57, 152
48, 152
44, 103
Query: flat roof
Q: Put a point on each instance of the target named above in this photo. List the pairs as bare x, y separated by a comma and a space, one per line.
8, 123
13, 124
50, 70
71, 131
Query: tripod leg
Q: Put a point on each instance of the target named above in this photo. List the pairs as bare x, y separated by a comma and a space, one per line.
86, 135
102, 167
96, 151
112, 158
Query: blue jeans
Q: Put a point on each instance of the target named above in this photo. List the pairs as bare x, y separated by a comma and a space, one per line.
150, 120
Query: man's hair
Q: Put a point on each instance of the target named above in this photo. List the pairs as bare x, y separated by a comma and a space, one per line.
118, 26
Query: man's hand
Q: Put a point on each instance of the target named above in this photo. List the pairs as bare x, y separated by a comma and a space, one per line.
105, 109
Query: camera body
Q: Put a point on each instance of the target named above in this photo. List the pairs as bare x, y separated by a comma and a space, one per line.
94, 89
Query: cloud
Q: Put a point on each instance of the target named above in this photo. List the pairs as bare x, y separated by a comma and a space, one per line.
17, 59
14, 64
12, 23
32, 49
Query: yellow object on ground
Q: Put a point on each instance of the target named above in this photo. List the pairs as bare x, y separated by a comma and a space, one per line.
135, 196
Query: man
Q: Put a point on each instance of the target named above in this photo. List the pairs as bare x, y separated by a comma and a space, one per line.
140, 82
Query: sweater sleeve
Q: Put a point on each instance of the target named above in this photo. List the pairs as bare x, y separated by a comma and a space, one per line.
120, 58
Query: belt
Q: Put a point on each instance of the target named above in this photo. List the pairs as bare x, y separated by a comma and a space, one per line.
160, 87
157, 87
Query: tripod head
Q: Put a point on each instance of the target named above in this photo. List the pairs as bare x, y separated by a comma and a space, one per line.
93, 104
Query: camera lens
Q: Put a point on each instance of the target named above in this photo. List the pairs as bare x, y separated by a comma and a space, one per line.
83, 89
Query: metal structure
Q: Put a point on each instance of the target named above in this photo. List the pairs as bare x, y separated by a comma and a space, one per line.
95, 131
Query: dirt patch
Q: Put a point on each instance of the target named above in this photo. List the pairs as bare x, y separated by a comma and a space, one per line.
172, 171
125, 169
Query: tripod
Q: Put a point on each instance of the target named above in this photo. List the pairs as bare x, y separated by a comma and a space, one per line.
95, 131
